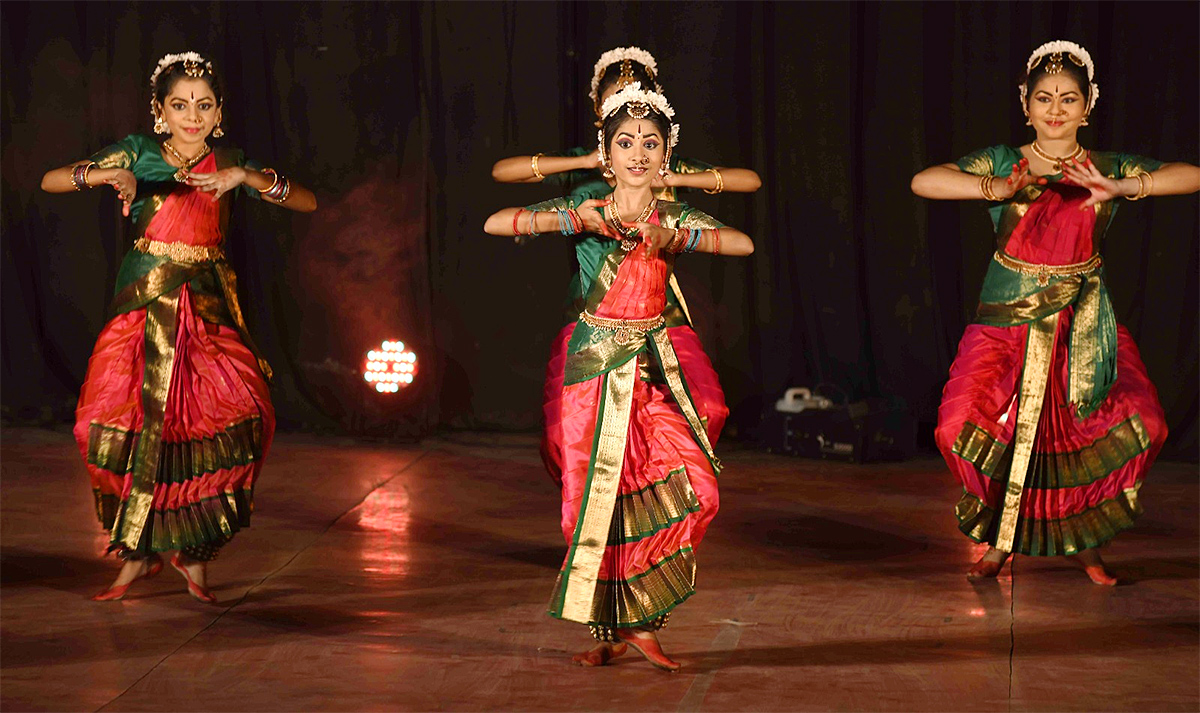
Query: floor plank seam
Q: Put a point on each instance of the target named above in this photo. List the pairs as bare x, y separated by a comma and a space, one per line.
269, 575
1012, 624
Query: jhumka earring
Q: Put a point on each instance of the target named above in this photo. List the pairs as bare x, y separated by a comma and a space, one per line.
160, 124
608, 170
218, 132
1084, 122
1028, 119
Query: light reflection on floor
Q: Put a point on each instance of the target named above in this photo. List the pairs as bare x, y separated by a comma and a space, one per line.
385, 517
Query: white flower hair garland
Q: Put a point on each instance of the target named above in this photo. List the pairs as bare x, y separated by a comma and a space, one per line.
1062, 47
192, 58
634, 94
620, 54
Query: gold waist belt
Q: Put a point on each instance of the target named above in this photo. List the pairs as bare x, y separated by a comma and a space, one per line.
180, 252
628, 330
1044, 272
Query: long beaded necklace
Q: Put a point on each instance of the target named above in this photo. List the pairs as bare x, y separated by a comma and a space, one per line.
614, 217
181, 173
1057, 161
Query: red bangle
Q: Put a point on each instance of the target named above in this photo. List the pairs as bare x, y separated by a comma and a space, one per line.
515, 216
716, 242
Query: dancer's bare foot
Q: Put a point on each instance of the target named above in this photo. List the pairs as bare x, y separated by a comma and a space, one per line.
1094, 566
599, 654
196, 574
646, 643
131, 571
988, 566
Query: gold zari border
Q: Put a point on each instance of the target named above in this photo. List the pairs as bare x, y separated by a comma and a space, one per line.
179, 252
160, 330
239, 443
673, 373
1034, 375
582, 568
655, 507
1043, 538
639, 599
979, 448
1065, 469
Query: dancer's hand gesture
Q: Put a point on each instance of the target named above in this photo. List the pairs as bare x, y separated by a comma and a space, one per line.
218, 182
125, 184
592, 213
654, 237
1016, 181
1086, 175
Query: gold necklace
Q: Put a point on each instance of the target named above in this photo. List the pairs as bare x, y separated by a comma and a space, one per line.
186, 163
1056, 161
614, 216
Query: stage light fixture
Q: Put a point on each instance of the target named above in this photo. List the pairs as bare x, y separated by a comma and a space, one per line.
390, 367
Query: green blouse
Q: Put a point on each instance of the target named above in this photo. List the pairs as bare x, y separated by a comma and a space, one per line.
998, 161
156, 178
591, 250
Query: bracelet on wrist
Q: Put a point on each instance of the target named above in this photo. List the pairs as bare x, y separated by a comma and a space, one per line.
985, 189
79, 175
280, 187
533, 163
675, 244
1145, 186
720, 182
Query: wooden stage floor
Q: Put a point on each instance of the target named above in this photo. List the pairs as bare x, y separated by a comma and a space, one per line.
415, 578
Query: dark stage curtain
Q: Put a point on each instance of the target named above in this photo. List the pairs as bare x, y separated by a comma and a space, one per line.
394, 113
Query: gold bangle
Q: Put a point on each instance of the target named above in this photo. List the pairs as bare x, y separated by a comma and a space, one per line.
1141, 192
985, 189
720, 182
274, 176
533, 163
1145, 192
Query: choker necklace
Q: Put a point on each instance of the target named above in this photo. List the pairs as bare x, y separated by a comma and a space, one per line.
614, 217
187, 163
1056, 161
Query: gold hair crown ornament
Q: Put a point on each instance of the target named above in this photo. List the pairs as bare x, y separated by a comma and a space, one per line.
194, 65
1055, 52
624, 55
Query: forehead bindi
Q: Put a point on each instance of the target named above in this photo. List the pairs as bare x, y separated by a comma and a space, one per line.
191, 90
1057, 87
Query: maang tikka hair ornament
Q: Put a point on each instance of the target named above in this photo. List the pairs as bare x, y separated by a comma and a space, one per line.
1054, 54
638, 103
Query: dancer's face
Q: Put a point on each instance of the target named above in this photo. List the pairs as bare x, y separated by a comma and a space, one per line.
637, 152
191, 111
1056, 106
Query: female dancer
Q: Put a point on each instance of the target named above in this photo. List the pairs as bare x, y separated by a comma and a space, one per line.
638, 471
579, 173
1048, 418
174, 416
578, 169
